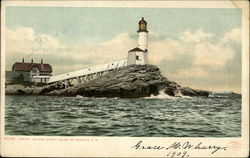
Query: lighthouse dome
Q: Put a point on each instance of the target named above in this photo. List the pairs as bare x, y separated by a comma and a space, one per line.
142, 21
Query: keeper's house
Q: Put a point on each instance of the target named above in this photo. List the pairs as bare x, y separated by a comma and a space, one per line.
28, 72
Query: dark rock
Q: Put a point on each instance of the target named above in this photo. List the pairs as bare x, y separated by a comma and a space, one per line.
131, 82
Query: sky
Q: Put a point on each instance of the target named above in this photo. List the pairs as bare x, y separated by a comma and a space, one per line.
198, 48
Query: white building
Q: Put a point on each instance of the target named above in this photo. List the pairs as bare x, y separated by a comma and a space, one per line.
139, 55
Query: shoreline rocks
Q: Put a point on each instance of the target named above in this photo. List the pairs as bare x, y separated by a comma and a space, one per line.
133, 81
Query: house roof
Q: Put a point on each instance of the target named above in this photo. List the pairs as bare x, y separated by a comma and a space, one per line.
136, 50
20, 66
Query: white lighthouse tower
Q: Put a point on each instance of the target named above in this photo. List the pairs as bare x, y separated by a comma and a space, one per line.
139, 55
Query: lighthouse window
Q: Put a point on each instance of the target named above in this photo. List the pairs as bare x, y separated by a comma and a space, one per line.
142, 27
137, 57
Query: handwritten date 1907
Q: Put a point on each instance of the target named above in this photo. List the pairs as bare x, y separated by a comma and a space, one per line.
178, 154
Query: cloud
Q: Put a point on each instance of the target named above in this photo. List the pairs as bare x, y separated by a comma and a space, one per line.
195, 36
165, 49
191, 73
217, 54
198, 45
108, 51
233, 36
26, 41
213, 55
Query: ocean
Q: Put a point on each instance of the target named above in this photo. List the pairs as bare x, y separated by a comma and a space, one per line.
218, 115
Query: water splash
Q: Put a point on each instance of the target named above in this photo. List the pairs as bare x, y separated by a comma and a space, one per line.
79, 96
179, 94
161, 95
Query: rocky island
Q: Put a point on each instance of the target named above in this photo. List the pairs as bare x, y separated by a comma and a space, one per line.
133, 81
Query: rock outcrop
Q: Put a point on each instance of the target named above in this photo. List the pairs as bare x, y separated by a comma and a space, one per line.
32, 90
133, 81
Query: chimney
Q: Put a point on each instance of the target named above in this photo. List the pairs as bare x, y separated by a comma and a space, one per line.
23, 60
31, 60
41, 61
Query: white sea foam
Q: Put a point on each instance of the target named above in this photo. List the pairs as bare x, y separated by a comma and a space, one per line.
79, 96
179, 94
161, 95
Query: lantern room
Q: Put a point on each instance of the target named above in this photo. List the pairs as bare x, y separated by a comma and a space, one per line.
142, 25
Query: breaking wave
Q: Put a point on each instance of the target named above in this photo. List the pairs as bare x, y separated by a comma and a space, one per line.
161, 95
79, 96
179, 94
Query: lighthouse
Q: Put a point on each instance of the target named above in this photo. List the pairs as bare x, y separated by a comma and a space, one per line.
139, 55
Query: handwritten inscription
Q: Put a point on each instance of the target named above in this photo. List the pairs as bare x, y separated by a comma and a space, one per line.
179, 146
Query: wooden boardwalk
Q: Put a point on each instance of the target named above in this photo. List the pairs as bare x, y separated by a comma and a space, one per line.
87, 74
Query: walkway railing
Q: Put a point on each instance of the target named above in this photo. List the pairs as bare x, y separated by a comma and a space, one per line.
86, 73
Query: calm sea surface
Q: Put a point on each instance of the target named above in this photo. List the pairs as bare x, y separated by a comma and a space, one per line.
163, 116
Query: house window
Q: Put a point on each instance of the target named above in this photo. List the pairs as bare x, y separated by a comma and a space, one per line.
137, 57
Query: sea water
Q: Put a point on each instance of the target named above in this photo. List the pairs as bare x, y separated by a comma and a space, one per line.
156, 116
